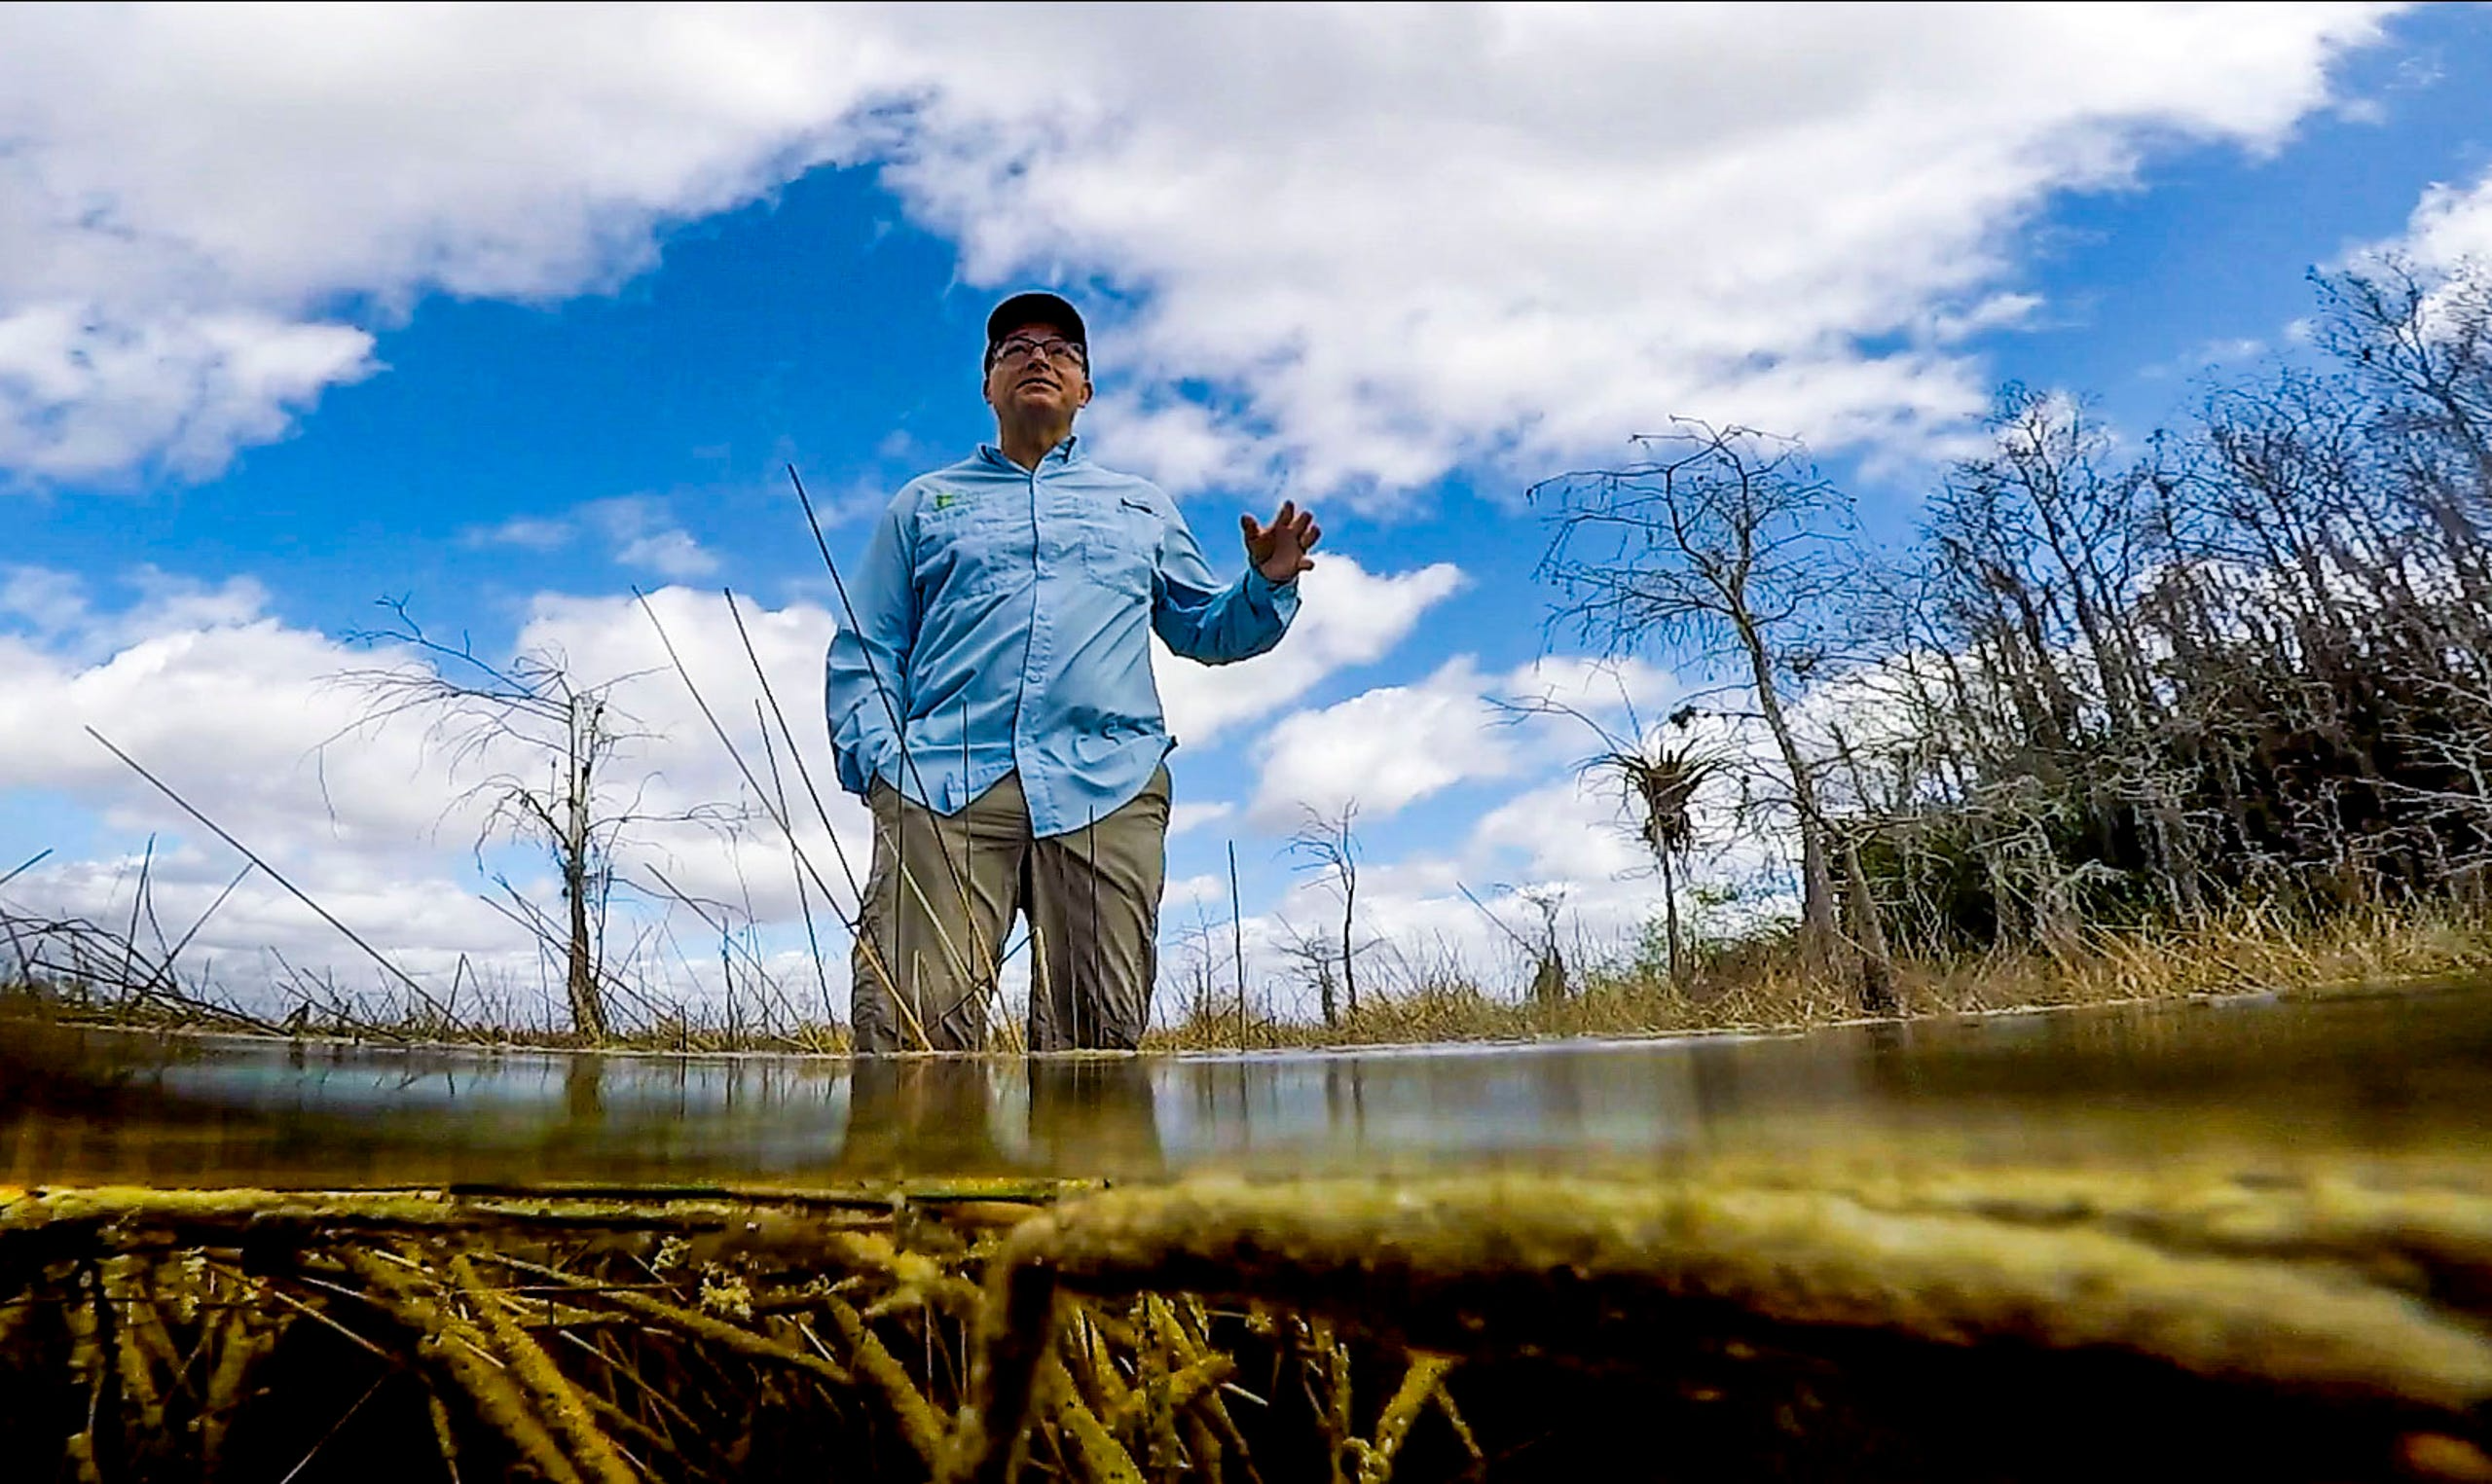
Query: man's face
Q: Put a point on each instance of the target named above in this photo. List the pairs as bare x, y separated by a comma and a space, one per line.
1036, 372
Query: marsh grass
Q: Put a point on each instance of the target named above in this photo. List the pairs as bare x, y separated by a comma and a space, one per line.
1756, 984
80, 972
1764, 985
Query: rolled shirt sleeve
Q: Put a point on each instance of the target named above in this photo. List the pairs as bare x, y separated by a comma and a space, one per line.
1204, 619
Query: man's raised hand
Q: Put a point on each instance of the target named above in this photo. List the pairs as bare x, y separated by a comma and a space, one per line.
1279, 550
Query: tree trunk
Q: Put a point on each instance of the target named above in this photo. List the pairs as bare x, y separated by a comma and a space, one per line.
1349, 950
1869, 935
588, 1007
1669, 916
1817, 931
1549, 977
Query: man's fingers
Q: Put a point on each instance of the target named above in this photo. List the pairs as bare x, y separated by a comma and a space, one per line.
1291, 525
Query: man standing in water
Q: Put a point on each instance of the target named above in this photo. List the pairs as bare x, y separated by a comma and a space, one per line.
994, 704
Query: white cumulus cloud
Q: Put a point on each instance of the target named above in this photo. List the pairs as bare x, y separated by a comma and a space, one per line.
1402, 241
1389, 241
641, 533
1349, 616
1393, 746
2452, 223
1193, 817
1382, 749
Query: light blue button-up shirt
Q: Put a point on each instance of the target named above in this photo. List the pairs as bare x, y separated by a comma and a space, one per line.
1008, 613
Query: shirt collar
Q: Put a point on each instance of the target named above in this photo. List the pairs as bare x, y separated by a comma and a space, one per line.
1068, 452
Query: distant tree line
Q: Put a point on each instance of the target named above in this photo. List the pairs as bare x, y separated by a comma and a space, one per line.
2247, 660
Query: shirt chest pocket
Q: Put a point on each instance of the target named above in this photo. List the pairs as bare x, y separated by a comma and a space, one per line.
1121, 544
962, 551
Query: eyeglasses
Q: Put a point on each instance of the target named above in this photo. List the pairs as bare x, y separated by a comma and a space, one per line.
1020, 347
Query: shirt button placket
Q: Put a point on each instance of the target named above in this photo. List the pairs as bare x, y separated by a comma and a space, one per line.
1033, 782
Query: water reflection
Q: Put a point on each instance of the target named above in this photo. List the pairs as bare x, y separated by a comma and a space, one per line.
2389, 1075
582, 1081
905, 1115
1096, 1114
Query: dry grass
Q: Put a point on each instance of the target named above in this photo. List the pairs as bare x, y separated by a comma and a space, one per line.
73, 1004
1765, 985
1750, 986
78, 971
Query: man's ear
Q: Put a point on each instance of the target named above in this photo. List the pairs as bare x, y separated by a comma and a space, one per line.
1087, 387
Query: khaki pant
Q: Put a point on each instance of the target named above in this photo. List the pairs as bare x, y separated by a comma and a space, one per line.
934, 931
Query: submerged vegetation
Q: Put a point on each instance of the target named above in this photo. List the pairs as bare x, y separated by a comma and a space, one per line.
1763, 1320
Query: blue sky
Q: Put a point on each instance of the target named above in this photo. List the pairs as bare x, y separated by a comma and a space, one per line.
574, 358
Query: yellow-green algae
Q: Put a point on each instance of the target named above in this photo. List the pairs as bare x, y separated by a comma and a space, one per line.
1098, 1333
1806, 1257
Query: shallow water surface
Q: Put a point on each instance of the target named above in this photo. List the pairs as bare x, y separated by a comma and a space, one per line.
2402, 1078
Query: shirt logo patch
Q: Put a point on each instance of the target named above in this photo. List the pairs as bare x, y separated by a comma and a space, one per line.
944, 499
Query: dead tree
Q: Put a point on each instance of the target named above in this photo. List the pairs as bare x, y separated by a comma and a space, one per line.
1312, 959
1547, 959
1326, 844
1726, 548
1198, 957
545, 746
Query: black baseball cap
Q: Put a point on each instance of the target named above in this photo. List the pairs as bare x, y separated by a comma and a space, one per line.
1037, 309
